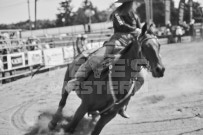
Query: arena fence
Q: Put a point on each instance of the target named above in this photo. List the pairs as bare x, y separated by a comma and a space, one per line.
76, 29
19, 64
23, 62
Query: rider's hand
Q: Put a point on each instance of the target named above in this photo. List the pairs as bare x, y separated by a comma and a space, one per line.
137, 32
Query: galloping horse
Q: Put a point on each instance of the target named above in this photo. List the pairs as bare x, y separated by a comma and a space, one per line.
107, 94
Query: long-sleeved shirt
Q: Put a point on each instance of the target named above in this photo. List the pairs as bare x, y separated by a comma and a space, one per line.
126, 23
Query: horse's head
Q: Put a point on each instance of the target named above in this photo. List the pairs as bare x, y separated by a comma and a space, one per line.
150, 49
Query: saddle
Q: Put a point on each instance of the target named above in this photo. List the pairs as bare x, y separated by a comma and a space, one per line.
104, 66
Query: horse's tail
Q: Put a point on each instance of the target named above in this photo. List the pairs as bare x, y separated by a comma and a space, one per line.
65, 92
38, 69
69, 75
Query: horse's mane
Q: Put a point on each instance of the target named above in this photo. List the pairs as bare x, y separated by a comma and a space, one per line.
128, 47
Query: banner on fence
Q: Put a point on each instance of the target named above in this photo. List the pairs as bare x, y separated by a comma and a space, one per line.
68, 52
16, 60
186, 39
198, 28
34, 57
94, 45
53, 57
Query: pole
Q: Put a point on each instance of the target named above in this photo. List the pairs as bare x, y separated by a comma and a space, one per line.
28, 2
89, 24
191, 9
202, 22
151, 11
35, 14
181, 11
167, 11
147, 11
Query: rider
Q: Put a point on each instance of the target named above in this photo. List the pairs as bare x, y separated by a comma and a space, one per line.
126, 26
80, 44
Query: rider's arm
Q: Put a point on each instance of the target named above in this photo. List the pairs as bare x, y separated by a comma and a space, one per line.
137, 31
138, 23
122, 24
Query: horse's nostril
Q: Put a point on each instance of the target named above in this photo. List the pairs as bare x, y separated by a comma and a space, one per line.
163, 69
158, 70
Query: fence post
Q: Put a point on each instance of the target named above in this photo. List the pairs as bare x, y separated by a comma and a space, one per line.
1, 76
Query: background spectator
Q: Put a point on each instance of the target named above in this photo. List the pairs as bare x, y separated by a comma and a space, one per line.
169, 26
179, 34
192, 27
169, 35
81, 42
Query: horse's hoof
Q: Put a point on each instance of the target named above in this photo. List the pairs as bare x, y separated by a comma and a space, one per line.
51, 126
67, 129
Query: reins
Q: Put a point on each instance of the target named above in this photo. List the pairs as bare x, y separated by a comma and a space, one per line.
111, 89
112, 92
145, 39
115, 100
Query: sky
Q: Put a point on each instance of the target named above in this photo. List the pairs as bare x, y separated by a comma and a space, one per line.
12, 11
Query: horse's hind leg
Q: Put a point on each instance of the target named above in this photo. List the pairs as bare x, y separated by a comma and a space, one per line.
81, 111
105, 118
57, 116
64, 96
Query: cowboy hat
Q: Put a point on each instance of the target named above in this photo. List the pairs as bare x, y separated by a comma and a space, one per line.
123, 1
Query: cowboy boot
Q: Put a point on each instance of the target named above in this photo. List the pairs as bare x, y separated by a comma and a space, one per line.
80, 76
72, 85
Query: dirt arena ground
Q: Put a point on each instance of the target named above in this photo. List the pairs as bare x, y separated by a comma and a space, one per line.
172, 105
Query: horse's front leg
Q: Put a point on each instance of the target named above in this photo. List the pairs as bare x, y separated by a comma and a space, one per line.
104, 119
58, 115
81, 111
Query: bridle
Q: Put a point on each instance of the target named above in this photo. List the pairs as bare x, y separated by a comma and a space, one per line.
152, 36
141, 40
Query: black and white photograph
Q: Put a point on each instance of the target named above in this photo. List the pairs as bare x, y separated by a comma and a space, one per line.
101, 67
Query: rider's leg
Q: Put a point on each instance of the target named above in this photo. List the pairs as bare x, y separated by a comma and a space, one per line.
96, 59
88, 66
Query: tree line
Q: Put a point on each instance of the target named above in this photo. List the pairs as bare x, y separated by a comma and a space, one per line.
67, 17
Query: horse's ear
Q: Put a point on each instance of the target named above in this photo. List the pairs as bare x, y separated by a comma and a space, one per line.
144, 29
151, 29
